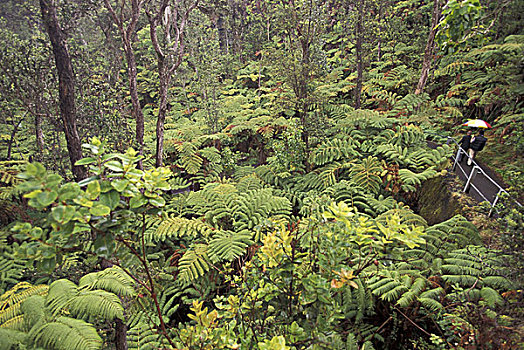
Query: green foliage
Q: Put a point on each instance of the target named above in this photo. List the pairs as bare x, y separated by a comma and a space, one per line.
66, 333
41, 315
279, 221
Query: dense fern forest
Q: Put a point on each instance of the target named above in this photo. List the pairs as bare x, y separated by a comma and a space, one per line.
249, 174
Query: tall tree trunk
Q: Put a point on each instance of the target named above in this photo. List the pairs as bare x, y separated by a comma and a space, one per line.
360, 65
39, 136
66, 85
162, 111
12, 138
169, 56
127, 33
137, 113
430, 48
380, 30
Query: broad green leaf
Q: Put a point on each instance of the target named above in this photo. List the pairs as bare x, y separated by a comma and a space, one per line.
100, 210
70, 190
137, 201
114, 165
110, 199
105, 186
83, 202
119, 185
37, 232
93, 190
88, 180
137, 173
85, 161
157, 202
63, 213
32, 194
47, 265
45, 198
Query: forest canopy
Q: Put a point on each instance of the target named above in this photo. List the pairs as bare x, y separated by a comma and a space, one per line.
250, 174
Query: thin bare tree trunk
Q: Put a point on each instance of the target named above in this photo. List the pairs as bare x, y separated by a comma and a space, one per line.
12, 139
430, 48
162, 111
137, 113
66, 85
169, 57
127, 33
380, 30
360, 65
39, 135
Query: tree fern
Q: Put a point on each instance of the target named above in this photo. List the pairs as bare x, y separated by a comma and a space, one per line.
96, 303
140, 335
8, 179
11, 315
113, 280
190, 160
469, 267
66, 333
194, 263
367, 174
9, 338
255, 206
410, 180
177, 227
250, 182
333, 150
60, 292
229, 245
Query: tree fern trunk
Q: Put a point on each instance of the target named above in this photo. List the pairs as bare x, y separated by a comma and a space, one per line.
120, 326
430, 48
120, 335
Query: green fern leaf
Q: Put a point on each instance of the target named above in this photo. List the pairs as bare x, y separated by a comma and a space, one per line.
96, 303
229, 245
66, 333
113, 279
193, 264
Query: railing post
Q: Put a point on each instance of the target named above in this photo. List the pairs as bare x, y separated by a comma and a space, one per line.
494, 202
470, 178
457, 158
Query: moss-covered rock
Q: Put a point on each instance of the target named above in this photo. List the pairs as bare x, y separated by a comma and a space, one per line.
436, 203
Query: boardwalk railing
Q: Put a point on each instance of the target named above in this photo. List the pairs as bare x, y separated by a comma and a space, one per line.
476, 170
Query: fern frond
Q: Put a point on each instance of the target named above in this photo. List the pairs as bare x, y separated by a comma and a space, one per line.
66, 333
333, 150
431, 304
113, 280
367, 174
96, 303
176, 227
229, 245
491, 296
194, 263
60, 292
10, 338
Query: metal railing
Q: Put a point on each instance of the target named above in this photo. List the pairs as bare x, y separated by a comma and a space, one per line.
474, 172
